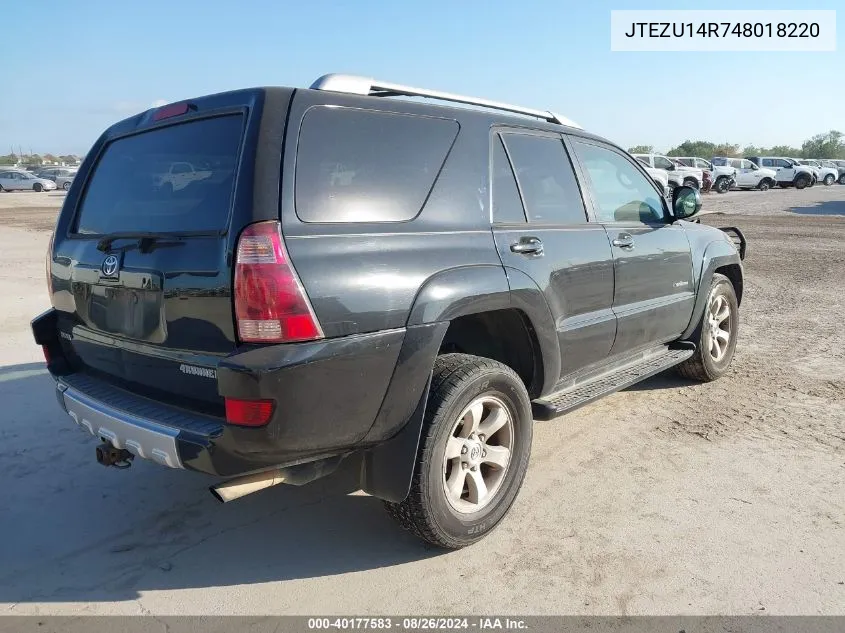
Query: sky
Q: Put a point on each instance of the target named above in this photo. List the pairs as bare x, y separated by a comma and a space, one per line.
73, 68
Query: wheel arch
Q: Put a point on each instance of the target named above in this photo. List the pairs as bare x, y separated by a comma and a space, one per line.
719, 257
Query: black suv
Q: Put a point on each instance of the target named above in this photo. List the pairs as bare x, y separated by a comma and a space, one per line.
343, 276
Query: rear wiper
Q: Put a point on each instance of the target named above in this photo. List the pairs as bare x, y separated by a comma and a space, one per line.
145, 238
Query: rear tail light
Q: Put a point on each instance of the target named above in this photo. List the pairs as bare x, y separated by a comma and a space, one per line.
270, 303
46, 351
248, 412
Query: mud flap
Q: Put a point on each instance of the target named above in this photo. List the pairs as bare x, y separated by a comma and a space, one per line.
387, 469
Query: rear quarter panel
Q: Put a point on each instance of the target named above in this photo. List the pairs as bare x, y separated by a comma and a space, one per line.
364, 277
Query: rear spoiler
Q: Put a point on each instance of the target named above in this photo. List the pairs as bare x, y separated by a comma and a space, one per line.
737, 238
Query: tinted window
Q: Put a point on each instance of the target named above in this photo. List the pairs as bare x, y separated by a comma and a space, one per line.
720, 162
131, 188
546, 179
364, 166
507, 207
662, 163
621, 192
767, 162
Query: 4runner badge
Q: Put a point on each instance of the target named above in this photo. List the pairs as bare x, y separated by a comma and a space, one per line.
110, 266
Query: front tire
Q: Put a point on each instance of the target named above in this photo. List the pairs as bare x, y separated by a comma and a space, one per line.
764, 184
473, 453
37, 187
723, 184
716, 334
829, 180
802, 181
691, 182
66, 186
842, 179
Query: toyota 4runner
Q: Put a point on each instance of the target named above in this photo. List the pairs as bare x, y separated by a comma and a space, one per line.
392, 284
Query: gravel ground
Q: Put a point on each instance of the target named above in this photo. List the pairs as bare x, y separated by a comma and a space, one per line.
667, 498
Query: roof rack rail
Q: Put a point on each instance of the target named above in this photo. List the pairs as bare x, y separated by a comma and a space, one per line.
354, 84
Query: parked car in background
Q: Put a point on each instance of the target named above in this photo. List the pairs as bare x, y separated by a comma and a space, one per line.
840, 165
805, 163
723, 176
678, 175
62, 176
825, 174
788, 172
748, 175
20, 180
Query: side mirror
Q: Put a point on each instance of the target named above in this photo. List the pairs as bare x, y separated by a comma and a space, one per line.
686, 202
670, 168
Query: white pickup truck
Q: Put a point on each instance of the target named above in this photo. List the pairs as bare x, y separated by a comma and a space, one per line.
678, 174
826, 174
723, 176
179, 175
788, 172
748, 175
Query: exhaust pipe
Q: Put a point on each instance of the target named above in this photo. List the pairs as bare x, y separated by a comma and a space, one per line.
242, 486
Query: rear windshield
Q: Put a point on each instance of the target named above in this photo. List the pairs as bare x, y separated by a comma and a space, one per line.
176, 178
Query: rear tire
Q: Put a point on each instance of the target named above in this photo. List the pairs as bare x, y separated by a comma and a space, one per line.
842, 179
37, 187
458, 494
829, 180
715, 336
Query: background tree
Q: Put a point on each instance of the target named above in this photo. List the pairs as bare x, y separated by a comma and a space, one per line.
9, 159
641, 149
828, 145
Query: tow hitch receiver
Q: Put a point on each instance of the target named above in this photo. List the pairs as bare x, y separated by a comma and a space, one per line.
108, 455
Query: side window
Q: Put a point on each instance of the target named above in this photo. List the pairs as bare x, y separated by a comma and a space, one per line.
737, 164
621, 192
367, 166
546, 179
643, 161
507, 206
767, 162
662, 163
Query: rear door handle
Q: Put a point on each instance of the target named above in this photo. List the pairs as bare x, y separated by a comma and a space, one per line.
624, 240
528, 246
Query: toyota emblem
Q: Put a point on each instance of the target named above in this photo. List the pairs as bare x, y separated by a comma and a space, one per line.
109, 266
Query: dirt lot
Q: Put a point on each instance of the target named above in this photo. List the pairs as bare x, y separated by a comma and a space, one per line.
667, 498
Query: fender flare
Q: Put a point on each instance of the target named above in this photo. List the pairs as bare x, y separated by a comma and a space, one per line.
388, 462
717, 254
457, 292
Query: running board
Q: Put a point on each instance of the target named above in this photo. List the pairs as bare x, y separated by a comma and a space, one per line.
570, 398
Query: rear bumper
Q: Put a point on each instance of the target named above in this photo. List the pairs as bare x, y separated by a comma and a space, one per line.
332, 397
140, 436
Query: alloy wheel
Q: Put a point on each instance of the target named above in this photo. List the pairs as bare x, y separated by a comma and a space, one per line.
720, 326
478, 454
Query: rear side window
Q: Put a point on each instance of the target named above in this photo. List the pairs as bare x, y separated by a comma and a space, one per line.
367, 166
134, 186
546, 179
507, 206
